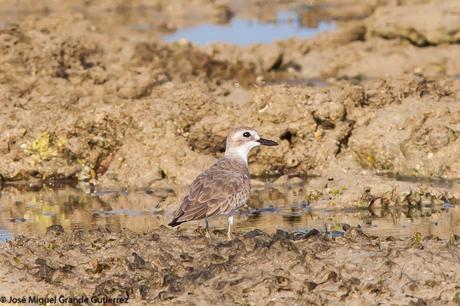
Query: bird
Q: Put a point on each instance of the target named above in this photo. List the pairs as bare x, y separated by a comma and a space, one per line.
224, 187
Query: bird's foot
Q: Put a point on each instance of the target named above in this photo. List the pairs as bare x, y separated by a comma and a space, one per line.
229, 236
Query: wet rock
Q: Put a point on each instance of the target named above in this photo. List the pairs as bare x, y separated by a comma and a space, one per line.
110, 288
418, 302
186, 257
99, 267
55, 229
254, 233
280, 235
143, 291
165, 296
138, 262
45, 272
262, 243
66, 268
305, 235
409, 22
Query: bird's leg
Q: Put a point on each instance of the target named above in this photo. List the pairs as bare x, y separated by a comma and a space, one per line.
230, 224
206, 227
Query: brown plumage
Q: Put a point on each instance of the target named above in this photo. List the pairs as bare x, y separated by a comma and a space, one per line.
221, 189
225, 186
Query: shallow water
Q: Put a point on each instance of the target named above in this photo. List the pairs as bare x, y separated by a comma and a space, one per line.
241, 31
31, 212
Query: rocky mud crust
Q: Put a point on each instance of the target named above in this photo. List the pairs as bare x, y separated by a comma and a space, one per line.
296, 268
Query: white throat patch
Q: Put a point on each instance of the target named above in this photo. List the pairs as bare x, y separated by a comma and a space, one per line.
243, 150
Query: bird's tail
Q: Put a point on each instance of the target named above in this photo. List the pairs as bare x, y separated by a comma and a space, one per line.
174, 222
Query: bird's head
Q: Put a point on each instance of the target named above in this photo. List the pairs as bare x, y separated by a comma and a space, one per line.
241, 140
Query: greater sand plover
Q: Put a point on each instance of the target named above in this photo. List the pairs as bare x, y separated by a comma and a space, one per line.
225, 186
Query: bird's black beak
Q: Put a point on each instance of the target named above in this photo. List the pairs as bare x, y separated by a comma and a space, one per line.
267, 142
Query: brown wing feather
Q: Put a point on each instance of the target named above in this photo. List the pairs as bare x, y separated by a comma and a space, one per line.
214, 192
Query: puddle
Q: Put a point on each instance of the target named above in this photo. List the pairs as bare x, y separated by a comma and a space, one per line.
5, 235
31, 212
245, 32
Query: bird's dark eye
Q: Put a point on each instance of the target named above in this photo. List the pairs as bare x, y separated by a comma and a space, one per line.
246, 134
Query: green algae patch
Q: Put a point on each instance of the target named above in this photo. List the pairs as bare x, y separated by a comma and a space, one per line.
47, 146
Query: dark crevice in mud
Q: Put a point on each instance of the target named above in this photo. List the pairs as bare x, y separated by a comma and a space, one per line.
83, 58
61, 70
289, 136
290, 65
414, 38
324, 123
343, 142
277, 63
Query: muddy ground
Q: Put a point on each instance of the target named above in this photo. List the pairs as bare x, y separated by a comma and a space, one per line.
164, 268
369, 113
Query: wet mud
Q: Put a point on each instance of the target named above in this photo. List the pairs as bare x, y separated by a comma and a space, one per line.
94, 96
166, 267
